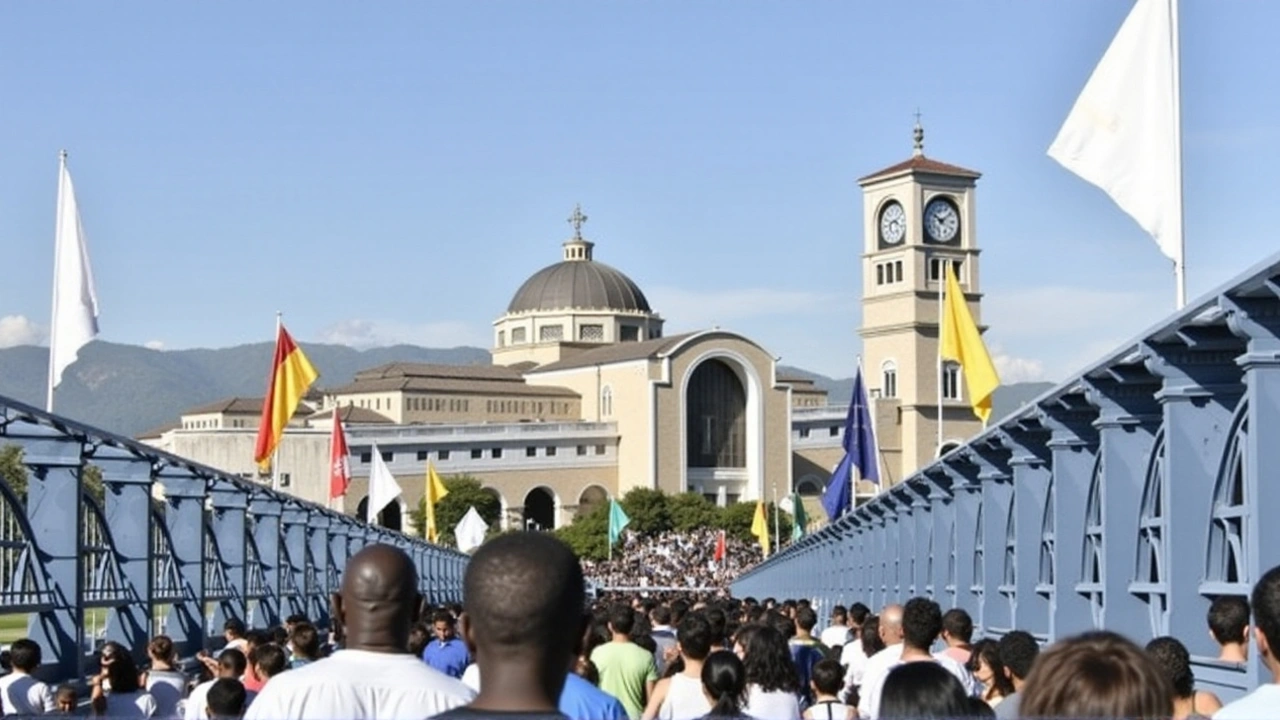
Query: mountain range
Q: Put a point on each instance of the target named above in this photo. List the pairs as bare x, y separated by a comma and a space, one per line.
129, 389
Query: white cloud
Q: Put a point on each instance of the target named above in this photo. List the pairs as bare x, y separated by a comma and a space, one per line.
1017, 369
704, 308
154, 344
17, 330
364, 334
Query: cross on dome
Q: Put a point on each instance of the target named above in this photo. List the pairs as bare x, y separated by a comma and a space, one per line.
576, 220
918, 136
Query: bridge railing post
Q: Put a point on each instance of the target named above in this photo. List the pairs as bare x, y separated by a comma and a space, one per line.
294, 520
54, 486
126, 478
1073, 441
184, 495
317, 578
228, 528
266, 510
1032, 477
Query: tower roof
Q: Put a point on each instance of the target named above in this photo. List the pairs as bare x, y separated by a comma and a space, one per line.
918, 163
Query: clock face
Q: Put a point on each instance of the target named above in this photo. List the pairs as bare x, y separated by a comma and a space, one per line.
893, 224
941, 220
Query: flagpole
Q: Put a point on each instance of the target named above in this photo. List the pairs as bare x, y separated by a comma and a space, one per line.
941, 327
1180, 265
53, 326
275, 454
777, 521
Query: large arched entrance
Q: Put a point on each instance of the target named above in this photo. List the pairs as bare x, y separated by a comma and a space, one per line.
810, 486
716, 417
389, 518
539, 510
591, 498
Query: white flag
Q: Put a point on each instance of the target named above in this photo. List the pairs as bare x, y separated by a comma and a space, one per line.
383, 488
1122, 133
75, 302
470, 530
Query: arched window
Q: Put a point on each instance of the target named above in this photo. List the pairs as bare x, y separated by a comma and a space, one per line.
889, 379
951, 381
606, 402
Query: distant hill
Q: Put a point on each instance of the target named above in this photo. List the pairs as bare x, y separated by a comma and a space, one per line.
1007, 397
129, 389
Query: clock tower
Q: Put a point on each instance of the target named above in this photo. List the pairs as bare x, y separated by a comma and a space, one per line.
918, 216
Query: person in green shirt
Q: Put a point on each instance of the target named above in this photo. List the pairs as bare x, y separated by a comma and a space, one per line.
627, 671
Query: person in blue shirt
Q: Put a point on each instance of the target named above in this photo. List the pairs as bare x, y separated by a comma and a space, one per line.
446, 652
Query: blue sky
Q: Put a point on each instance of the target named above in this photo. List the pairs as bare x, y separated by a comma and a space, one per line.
393, 171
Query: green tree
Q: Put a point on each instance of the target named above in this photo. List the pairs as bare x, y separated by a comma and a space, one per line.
648, 510
15, 474
737, 518
690, 511
464, 491
12, 471
588, 534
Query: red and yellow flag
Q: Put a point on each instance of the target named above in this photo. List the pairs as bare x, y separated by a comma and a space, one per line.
291, 375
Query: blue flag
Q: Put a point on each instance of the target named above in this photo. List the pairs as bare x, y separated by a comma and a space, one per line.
860, 452
617, 521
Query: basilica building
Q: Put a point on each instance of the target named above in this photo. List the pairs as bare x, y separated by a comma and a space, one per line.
588, 397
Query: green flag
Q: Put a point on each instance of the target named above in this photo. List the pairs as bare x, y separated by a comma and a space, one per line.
617, 521
797, 517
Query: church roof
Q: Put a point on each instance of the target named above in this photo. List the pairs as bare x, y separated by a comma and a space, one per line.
579, 285
229, 406
922, 164
353, 415
436, 370
616, 353
461, 385
578, 282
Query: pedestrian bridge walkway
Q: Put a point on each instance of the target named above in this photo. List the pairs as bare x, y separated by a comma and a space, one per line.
1126, 498
215, 546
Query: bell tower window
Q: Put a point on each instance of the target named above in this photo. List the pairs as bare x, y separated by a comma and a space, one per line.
889, 379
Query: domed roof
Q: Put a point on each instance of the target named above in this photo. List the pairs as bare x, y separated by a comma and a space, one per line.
580, 285
578, 282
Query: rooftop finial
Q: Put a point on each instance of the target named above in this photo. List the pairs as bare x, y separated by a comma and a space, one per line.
576, 220
918, 136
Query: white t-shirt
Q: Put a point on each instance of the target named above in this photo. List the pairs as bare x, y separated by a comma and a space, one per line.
21, 694
360, 685
471, 677
854, 658
873, 682
835, 635
130, 706
1261, 704
774, 705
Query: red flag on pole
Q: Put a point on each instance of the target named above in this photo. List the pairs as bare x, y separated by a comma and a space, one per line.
720, 547
339, 469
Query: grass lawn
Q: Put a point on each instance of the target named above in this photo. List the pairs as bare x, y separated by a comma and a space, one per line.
13, 627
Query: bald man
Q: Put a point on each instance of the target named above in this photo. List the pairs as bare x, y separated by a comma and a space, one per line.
374, 676
879, 665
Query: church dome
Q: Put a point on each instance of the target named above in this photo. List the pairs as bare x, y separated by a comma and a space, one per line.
579, 283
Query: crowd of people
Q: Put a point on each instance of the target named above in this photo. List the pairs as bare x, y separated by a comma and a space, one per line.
673, 559
526, 643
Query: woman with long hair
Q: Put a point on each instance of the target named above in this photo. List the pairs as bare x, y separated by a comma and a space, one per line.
116, 691
724, 682
984, 663
773, 687
918, 690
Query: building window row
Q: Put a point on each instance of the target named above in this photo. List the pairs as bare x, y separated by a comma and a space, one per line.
524, 407
888, 273
495, 453
438, 404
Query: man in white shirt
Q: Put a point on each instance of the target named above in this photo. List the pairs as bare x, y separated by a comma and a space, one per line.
1264, 702
837, 633
20, 693
375, 676
920, 624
